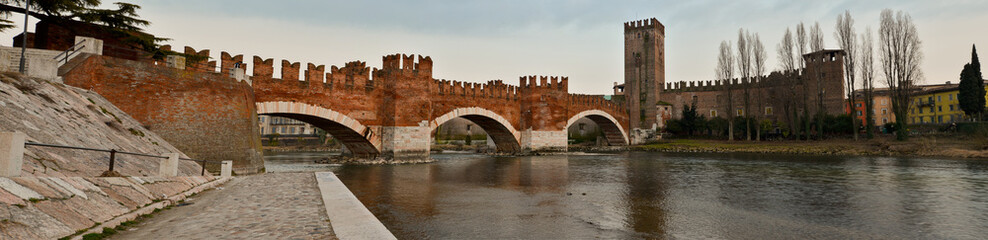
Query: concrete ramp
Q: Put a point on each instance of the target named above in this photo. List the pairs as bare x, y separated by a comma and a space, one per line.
349, 218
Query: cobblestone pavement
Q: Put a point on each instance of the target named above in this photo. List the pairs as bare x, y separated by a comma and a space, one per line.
265, 206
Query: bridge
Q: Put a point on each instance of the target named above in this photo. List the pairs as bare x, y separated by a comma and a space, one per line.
391, 112
208, 109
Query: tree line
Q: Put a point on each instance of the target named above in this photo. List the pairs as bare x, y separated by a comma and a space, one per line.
899, 57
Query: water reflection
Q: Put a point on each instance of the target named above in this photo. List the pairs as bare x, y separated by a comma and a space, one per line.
652, 195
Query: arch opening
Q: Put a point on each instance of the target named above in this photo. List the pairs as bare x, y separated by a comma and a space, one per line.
358, 139
610, 130
498, 129
354, 141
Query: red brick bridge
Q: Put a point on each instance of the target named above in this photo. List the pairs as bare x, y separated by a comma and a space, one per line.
210, 112
393, 110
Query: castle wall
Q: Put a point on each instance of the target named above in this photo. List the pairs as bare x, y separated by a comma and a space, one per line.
205, 115
772, 91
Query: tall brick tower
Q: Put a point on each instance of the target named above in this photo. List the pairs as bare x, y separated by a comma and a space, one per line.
644, 70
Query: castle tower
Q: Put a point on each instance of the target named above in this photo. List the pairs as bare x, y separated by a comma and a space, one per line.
824, 76
644, 70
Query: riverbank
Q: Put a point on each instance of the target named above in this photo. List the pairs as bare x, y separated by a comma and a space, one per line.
920, 146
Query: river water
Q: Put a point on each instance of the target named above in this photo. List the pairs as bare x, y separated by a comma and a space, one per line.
680, 196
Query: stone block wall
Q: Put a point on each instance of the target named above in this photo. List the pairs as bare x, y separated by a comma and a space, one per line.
50, 208
543, 141
405, 142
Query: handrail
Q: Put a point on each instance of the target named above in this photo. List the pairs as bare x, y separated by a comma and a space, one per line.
72, 49
113, 153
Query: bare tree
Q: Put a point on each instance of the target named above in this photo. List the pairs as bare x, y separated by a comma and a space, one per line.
816, 44
725, 72
758, 61
788, 63
801, 45
816, 38
868, 80
900, 55
744, 73
847, 39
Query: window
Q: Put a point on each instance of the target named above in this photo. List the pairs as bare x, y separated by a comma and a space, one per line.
768, 110
939, 98
291, 130
740, 112
950, 97
951, 107
857, 105
885, 120
859, 113
468, 127
262, 130
713, 113
920, 110
884, 102
885, 111
939, 108
930, 99
301, 130
260, 119
931, 110
939, 119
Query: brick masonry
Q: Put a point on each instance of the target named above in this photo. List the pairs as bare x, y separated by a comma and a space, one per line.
205, 115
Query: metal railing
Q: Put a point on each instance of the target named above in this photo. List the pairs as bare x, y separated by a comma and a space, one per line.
114, 152
65, 55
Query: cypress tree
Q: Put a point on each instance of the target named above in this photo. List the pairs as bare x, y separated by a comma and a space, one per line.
971, 91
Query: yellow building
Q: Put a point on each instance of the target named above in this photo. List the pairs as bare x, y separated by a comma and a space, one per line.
936, 104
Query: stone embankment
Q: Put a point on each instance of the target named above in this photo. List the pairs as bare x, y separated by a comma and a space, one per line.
59, 207
57, 193
54, 113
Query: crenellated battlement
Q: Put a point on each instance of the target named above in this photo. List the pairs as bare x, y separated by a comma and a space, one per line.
650, 23
544, 82
491, 89
597, 101
199, 65
774, 79
407, 62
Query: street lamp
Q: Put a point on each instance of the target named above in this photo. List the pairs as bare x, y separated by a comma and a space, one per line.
27, 11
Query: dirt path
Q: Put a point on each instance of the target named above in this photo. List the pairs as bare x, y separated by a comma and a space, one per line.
266, 206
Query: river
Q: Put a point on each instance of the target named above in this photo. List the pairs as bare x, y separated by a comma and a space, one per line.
680, 196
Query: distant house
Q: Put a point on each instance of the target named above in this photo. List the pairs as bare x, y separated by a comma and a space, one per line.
936, 104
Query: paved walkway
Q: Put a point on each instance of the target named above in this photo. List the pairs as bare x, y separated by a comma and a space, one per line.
266, 206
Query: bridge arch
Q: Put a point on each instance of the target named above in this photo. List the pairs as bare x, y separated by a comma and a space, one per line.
357, 138
613, 131
505, 136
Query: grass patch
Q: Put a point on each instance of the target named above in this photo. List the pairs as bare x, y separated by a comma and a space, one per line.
109, 113
107, 232
136, 132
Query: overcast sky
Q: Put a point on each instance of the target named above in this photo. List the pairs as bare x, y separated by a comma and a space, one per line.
476, 41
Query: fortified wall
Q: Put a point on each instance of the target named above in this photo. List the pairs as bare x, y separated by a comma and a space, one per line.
771, 96
205, 115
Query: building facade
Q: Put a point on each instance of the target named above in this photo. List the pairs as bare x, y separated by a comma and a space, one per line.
936, 104
881, 108
269, 125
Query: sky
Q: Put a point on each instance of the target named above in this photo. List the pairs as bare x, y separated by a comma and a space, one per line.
477, 41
